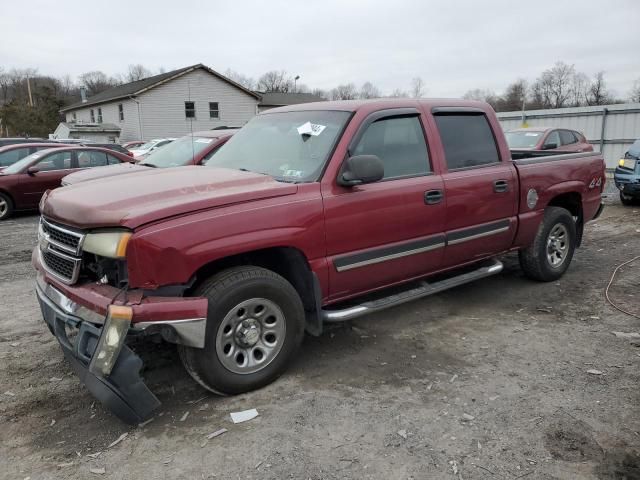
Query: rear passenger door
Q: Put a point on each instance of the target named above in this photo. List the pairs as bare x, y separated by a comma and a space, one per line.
480, 188
389, 231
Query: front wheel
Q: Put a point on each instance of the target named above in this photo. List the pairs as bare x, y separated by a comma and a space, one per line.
255, 325
550, 254
626, 199
6, 206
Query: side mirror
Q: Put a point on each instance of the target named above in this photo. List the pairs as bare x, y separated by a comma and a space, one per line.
361, 169
32, 170
550, 146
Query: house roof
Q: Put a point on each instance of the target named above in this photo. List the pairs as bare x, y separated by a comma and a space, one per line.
135, 88
91, 127
279, 99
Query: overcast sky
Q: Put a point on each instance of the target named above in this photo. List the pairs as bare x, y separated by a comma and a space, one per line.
454, 45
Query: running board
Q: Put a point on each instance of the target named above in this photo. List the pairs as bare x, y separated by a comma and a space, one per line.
424, 290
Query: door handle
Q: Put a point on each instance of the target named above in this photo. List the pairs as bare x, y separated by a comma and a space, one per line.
500, 186
431, 197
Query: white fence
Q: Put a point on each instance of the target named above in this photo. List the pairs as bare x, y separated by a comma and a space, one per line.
610, 128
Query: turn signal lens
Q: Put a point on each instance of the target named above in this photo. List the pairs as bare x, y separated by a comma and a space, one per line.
621, 162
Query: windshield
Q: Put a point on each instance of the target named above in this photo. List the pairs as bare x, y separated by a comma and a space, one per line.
523, 139
21, 164
289, 146
179, 153
634, 150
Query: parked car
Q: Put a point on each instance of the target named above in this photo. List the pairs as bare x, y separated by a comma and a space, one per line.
188, 150
150, 146
110, 146
627, 175
542, 138
23, 183
10, 154
308, 214
134, 144
13, 141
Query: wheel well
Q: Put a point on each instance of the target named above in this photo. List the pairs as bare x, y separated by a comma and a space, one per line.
571, 201
4, 192
288, 262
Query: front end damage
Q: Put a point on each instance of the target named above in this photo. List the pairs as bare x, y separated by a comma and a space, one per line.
93, 333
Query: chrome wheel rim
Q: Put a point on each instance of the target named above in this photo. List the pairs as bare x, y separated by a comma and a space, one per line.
4, 206
557, 245
250, 336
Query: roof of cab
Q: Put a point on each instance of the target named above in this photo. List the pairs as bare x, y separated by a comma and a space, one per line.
380, 103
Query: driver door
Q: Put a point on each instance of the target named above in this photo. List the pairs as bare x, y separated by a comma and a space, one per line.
51, 169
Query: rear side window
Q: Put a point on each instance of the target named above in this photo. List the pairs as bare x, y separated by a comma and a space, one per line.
399, 142
567, 137
91, 158
552, 139
12, 156
467, 140
112, 160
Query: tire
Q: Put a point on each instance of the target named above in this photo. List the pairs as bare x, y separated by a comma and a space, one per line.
6, 206
550, 254
626, 199
246, 305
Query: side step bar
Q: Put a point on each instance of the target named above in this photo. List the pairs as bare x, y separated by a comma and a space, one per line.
423, 290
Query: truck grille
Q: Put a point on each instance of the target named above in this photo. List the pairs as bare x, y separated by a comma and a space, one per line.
60, 251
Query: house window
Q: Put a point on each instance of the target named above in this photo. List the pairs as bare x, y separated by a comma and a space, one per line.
190, 109
99, 115
92, 115
73, 116
214, 111
121, 112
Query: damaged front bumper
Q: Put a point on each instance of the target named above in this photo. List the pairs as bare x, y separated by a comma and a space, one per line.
123, 390
92, 334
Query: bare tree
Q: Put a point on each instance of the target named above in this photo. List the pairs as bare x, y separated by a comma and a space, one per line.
275, 81
247, 82
513, 97
318, 92
634, 94
482, 95
344, 92
96, 81
397, 93
554, 87
597, 93
417, 87
136, 72
369, 90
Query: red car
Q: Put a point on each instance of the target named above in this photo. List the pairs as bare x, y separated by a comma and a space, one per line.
23, 183
542, 138
311, 213
10, 154
188, 150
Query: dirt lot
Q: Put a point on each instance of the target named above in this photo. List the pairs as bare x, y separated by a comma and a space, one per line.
486, 381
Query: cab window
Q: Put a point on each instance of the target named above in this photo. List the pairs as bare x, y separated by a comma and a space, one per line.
399, 142
467, 140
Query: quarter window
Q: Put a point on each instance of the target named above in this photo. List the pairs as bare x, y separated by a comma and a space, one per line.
92, 115
121, 112
214, 111
91, 158
112, 160
399, 142
190, 109
467, 140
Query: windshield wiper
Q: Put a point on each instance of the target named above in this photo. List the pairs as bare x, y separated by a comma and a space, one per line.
148, 165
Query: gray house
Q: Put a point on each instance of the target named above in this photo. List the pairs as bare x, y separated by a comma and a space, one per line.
171, 104
279, 99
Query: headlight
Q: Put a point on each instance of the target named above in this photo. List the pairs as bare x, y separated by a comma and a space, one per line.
111, 244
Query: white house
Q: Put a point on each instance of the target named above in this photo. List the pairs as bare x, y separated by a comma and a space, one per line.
171, 104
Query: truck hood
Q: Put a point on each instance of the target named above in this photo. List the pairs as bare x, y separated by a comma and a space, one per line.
103, 172
136, 199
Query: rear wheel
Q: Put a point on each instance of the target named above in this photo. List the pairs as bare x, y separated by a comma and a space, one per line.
6, 206
255, 325
550, 254
626, 199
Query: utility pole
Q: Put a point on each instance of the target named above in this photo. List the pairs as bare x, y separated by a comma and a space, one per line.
29, 90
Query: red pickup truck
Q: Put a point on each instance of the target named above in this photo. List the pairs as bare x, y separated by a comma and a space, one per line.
307, 215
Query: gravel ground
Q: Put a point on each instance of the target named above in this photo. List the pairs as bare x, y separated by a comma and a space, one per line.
486, 381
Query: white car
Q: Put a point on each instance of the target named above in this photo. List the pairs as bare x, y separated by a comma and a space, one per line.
150, 146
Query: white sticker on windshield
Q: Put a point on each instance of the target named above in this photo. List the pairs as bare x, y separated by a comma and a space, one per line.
293, 173
203, 140
531, 134
35, 155
311, 129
